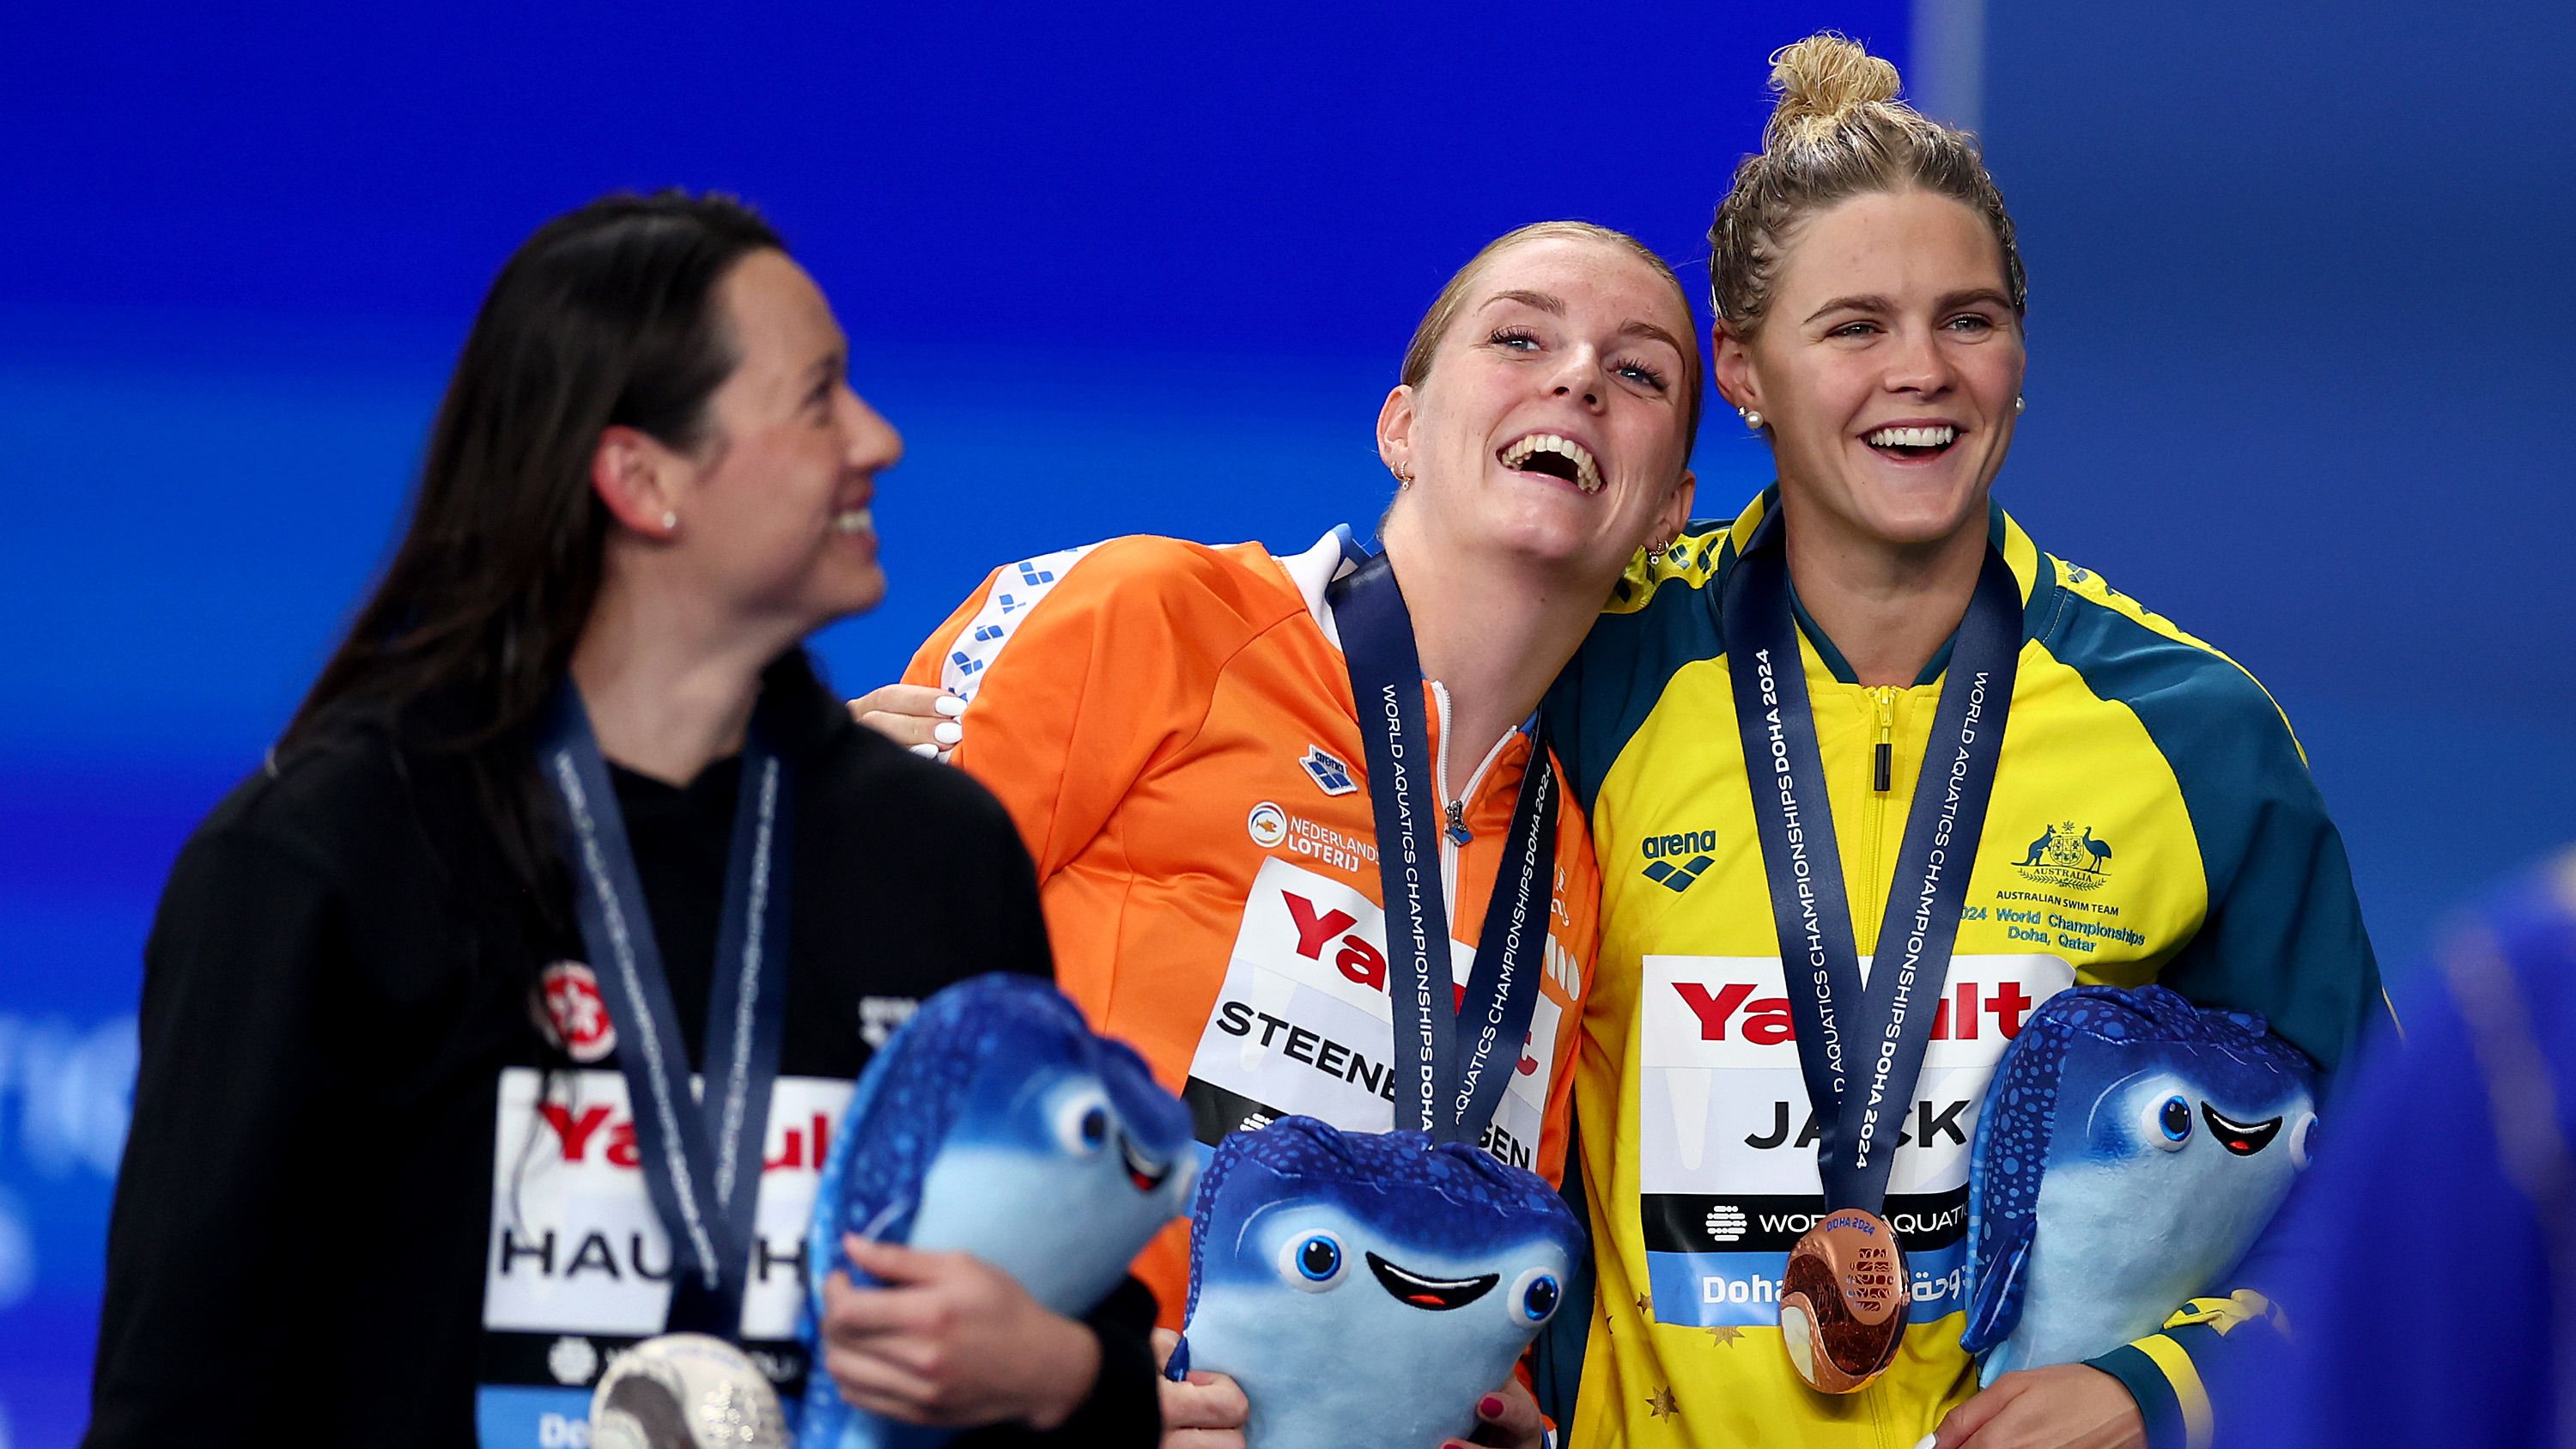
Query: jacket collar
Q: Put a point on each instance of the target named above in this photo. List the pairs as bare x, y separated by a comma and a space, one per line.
2033, 571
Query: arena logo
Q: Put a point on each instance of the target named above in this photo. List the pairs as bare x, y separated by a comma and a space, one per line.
1688, 847
2062, 856
1685, 842
1329, 773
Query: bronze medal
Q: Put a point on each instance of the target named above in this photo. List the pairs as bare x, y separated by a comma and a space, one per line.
1844, 1301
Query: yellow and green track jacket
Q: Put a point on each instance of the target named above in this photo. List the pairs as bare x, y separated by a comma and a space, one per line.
2152, 820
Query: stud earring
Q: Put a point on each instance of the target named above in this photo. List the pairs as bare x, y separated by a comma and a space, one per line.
2020, 403
670, 522
1752, 418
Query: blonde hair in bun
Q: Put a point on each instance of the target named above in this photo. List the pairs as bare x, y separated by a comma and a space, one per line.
1838, 131
1822, 79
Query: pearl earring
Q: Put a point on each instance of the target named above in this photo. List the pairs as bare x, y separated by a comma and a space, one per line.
670, 522
2020, 402
1752, 418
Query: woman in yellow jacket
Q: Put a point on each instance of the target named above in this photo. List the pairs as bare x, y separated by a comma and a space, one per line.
2105, 799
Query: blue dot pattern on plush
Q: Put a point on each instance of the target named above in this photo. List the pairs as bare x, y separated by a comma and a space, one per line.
2129, 1150
996, 1123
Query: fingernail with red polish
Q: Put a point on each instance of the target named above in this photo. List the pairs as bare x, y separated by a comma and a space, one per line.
1489, 1407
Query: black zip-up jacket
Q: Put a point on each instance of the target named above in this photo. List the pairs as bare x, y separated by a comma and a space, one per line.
339, 973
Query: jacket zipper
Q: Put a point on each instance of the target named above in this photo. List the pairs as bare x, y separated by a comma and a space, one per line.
1454, 834
1882, 780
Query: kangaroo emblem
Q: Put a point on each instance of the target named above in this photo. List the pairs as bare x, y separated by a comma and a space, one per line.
2039, 847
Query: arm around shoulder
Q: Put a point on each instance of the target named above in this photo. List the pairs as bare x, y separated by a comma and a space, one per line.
1073, 686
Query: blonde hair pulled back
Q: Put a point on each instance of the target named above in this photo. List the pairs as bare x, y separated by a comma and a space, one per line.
1838, 131
1444, 311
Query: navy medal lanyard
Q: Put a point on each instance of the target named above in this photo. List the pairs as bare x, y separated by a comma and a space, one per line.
1861, 1106
1455, 1059
700, 1152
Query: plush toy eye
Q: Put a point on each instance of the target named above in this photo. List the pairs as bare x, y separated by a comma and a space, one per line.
1534, 1297
2175, 1119
2168, 1124
2303, 1140
1312, 1262
1082, 1123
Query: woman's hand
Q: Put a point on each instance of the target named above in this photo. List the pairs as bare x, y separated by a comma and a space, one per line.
1507, 1417
951, 1340
2064, 1406
1208, 1412
916, 716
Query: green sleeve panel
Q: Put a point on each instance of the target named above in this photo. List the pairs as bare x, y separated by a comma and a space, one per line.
2283, 936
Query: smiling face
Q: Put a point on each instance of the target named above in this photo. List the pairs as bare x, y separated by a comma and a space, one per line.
1551, 424
773, 515
1886, 369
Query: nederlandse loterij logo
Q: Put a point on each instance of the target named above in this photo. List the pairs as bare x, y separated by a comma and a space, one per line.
1268, 824
2064, 856
1329, 774
1674, 861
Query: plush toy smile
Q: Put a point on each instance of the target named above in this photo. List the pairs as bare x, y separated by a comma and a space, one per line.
2242, 1138
1436, 1294
1467, 1259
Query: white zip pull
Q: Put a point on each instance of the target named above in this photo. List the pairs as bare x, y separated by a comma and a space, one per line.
1453, 833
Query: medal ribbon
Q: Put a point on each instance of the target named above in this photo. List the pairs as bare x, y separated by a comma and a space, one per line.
700, 1151
1450, 1087
1862, 1050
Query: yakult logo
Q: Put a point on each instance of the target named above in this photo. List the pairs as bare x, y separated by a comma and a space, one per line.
602, 1136
1733, 1012
1962, 1014
1360, 961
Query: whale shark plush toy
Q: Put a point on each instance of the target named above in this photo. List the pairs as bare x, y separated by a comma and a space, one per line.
995, 1123
2131, 1147
1368, 1289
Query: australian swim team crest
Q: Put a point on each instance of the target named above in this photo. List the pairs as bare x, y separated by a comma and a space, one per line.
2065, 856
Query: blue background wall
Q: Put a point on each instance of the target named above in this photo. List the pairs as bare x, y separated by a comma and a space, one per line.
2297, 316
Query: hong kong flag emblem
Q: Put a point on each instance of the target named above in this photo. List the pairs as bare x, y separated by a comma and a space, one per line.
576, 1015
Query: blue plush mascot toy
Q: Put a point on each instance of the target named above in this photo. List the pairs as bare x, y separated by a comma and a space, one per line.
995, 1123
1368, 1289
2131, 1148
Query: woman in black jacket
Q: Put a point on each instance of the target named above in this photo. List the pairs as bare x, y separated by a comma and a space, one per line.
566, 820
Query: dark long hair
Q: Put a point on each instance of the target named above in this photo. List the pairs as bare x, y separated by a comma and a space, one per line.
606, 316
